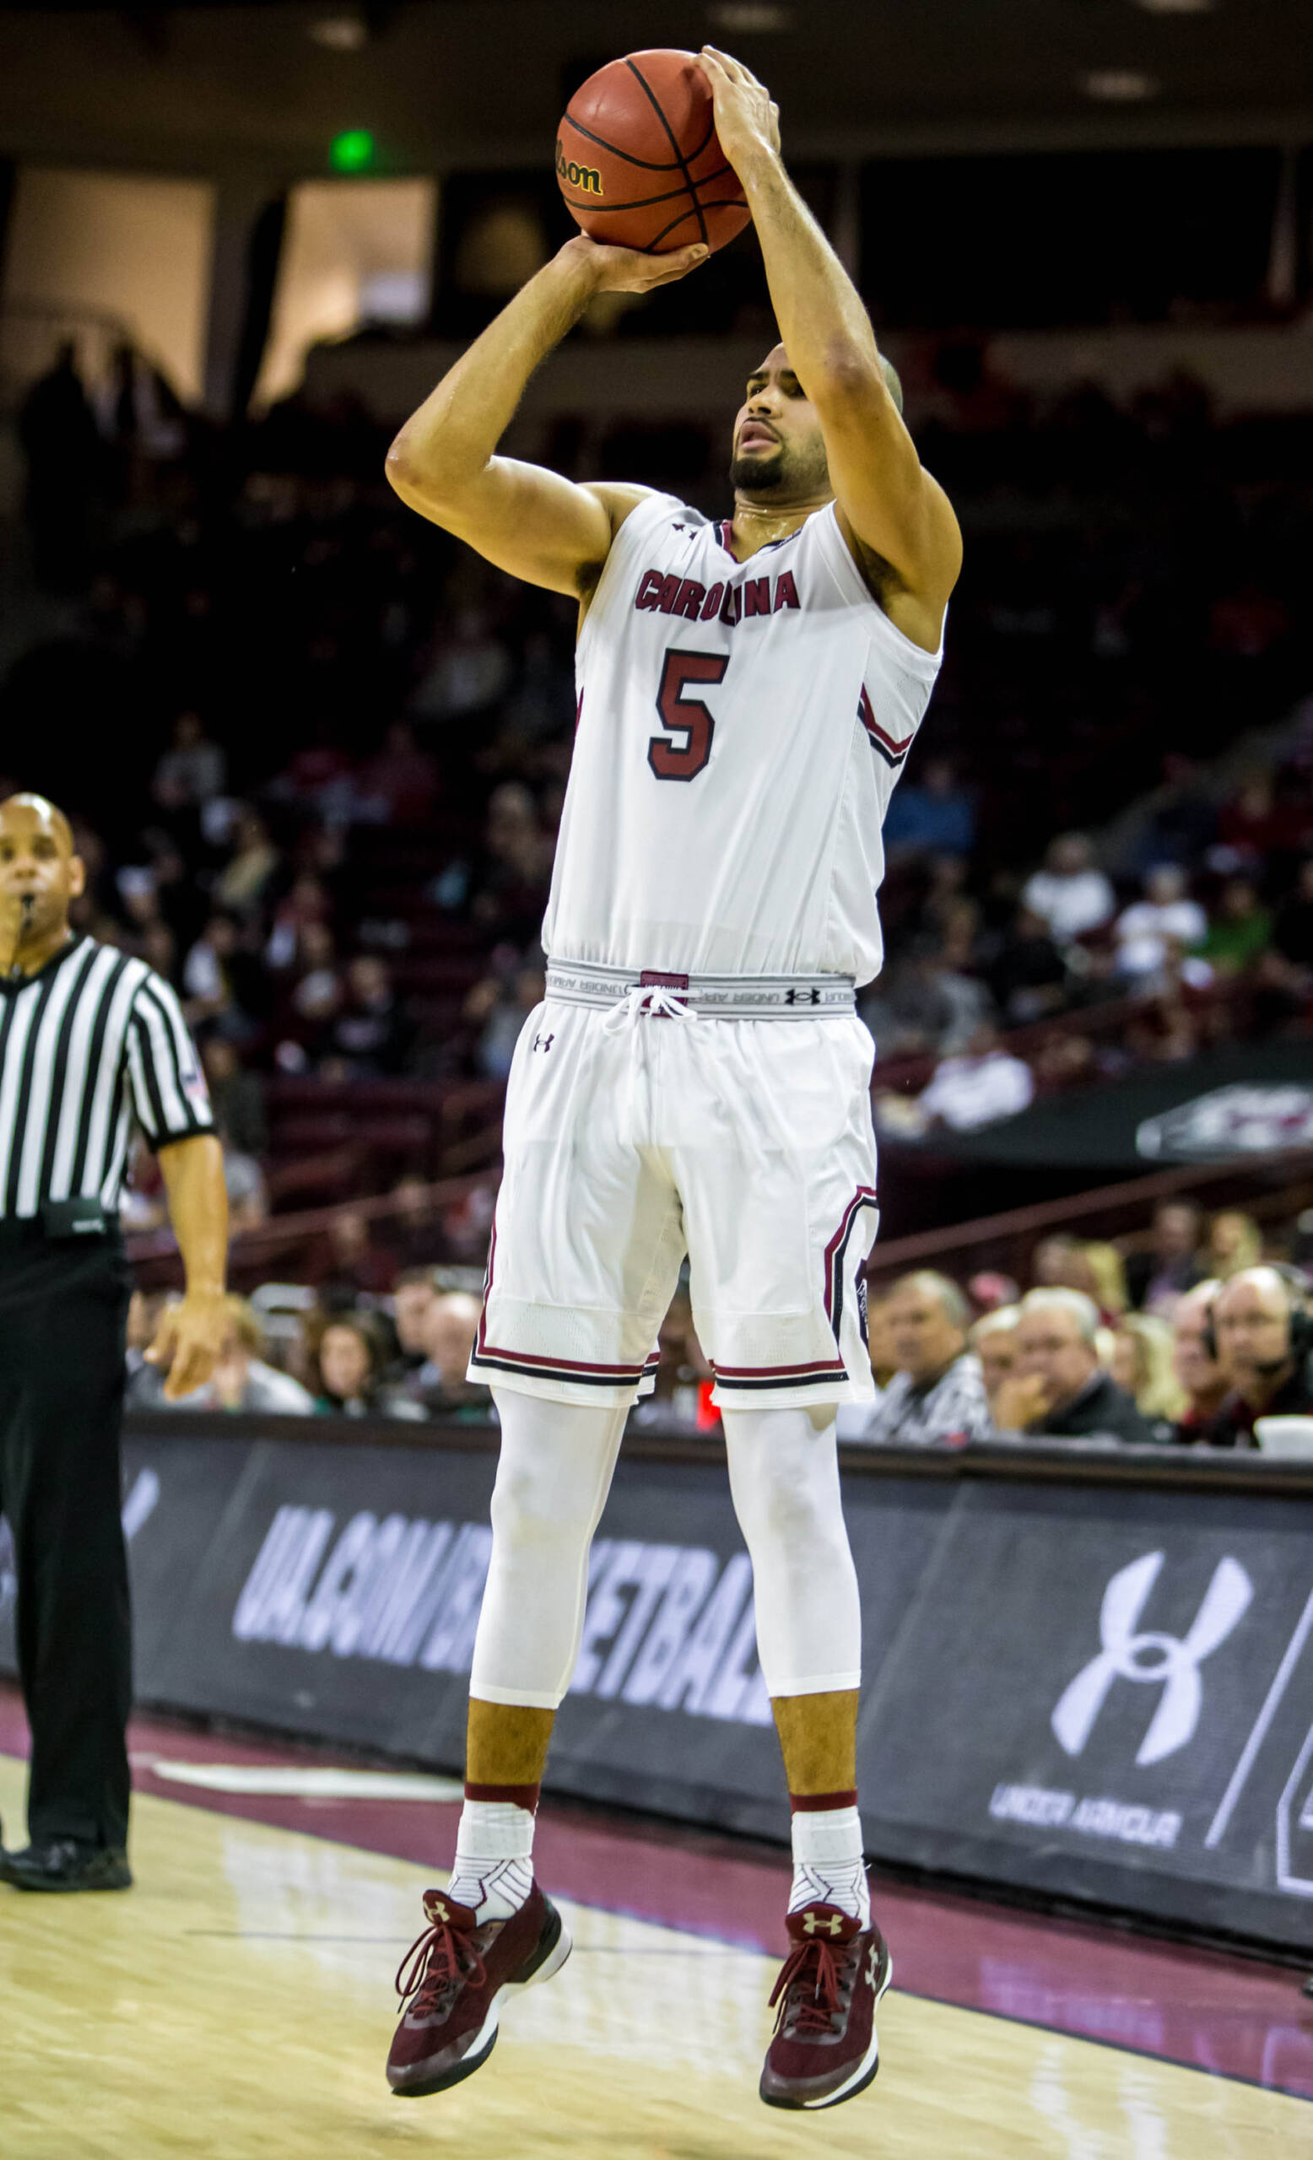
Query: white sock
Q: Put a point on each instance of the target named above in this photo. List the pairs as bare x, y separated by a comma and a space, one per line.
828, 1867
493, 1868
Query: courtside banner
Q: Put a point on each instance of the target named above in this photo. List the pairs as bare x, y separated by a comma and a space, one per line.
1108, 1694
339, 1590
1085, 1687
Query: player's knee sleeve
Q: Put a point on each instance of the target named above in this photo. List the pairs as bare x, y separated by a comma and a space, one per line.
784, 1477
553, 1476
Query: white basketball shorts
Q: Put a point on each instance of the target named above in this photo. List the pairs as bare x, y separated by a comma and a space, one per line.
747, 1144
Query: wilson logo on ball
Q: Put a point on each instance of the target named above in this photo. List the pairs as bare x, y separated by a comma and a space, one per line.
586, 177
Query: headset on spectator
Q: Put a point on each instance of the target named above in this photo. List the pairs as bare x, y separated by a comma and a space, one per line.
1297, 1285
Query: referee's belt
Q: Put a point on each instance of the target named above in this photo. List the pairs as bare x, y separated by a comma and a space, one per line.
60, 1222
629, 994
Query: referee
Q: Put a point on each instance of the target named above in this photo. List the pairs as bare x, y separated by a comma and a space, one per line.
90, 1041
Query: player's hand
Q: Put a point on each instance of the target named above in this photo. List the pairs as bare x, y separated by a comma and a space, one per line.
190, 1340
617, 269
747, 121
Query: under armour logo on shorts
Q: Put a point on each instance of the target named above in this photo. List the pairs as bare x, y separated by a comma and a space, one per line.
814, 1925
543, 1043
803, 997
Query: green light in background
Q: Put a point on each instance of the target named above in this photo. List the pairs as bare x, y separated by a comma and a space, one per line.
352, 151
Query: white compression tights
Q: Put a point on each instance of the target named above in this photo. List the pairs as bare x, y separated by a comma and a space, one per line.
555, 1471
553, 1477
784, 1477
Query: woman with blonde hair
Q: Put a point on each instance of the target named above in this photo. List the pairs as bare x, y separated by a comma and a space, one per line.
1235, 1243
1142, 1364
1107, 1274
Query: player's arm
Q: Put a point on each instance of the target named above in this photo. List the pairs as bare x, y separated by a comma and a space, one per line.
886, 499
526, 519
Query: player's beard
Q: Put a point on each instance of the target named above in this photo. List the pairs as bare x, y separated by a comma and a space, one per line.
789, 469
758, 475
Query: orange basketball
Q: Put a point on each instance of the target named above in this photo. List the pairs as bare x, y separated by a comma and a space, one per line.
638, 159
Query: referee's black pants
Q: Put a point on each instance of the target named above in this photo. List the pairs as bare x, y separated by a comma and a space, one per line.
63, 1310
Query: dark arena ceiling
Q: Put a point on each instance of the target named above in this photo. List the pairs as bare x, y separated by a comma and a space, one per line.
442, 83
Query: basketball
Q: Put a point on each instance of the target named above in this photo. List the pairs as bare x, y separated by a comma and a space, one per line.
638, 159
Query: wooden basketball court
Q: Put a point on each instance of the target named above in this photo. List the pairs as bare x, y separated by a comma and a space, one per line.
238, 2003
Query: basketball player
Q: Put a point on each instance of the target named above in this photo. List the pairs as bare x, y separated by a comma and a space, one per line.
697, 1079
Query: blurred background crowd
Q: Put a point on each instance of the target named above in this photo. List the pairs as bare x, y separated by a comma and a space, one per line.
1186, 1331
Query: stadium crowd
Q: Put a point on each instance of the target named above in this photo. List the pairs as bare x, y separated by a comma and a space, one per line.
352, 737
1189, 1333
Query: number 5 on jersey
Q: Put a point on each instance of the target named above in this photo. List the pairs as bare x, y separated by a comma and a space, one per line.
683, 715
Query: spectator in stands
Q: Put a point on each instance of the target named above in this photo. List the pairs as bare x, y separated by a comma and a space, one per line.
1264, 1341
982, 1085
1182, 816
192, 770
244, 879
1056, 1263
994, 1341
910, 1008
369, 1036
511, 892
1059, 1388
989, 1290
1168, 1265
1240, 931
400, 782
930, 815
411, 1232
499, 1007
358, 1262
1203, 1382
1142, 1366
1106, 1276
1144, 930
937, 1392
440, 1386
241, 1379
1029, 976
414, 1294
207, 977
1235, 1243
1070, 894
248, 1194
236, 1097
346, 1364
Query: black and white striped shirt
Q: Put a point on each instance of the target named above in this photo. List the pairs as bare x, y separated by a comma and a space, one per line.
90, 1043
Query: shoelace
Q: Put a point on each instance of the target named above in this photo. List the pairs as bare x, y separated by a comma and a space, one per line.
646, 998
438, 1959
811, 2012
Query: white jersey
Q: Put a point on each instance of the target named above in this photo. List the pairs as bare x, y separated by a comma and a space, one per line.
741, 727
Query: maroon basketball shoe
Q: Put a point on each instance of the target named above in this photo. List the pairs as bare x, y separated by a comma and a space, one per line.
825, 2047
452, 1980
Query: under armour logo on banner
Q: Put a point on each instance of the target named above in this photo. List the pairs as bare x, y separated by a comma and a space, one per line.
1152, 1659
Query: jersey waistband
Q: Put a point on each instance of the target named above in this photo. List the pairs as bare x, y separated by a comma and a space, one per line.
719, 997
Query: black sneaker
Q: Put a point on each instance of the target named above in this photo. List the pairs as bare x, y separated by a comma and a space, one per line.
66, 1864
